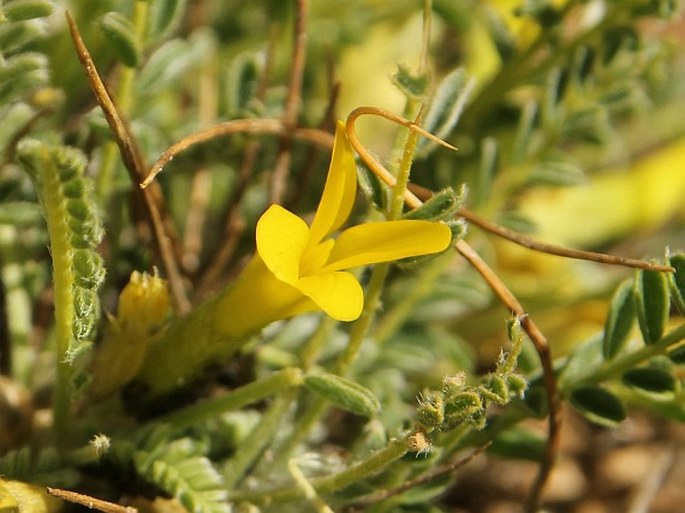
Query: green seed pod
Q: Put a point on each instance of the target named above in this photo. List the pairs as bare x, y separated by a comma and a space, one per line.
464, 407
517, 385
619, 320
344, 393
431, 410
121, 34
468, 408
652, 301
20, 10
495, 388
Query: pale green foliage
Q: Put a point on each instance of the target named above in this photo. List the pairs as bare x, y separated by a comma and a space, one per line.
554, 112
75, 228
181, 468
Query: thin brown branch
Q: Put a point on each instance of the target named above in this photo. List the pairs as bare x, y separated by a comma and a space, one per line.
201, 184
542, 348
500, 289
233, 221
410, 198
369, 500
200, 192
250, 126
292, 103
152, 200
554, 249
89, 502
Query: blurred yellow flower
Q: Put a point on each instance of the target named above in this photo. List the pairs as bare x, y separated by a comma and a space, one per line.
299, 268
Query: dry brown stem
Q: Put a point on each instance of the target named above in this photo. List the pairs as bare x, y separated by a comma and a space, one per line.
89, 502
151, 200
293, 100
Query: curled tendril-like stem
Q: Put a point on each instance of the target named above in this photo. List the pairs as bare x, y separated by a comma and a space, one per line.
505, 295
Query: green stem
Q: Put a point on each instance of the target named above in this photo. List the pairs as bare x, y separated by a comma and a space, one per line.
248, 453
236, 399
314, 411
325, 485
402, 178
63, 282
361, 326
395, 317
613, 368
312, 350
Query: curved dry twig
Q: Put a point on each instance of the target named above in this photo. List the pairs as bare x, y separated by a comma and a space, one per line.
555, 249
410, 198
500, 289
152, 200
545, 356
234, 126
369, 500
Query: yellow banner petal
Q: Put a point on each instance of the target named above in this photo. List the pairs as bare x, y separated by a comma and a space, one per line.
338, 294
281, 240
372, 243
340, 189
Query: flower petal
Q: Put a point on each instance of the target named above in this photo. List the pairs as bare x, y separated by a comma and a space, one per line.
338, 294
340, 189
386, 241
256, 299
281, 240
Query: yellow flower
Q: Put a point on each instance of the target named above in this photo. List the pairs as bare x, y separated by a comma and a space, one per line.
299, 268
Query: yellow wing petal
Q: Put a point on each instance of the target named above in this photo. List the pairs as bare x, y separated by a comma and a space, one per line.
281, 240
338, 194
386, 241
338, 294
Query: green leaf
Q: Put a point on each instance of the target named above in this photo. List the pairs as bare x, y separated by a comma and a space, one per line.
556, 173
519, 443
581, 361
344, 393
180, 468
122, 37
439, 206
677, 355
651, 380
412, 85
619, 320
598, 405
164, 17
19, 10
676, 280
376, 193
652, 302
446, 108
